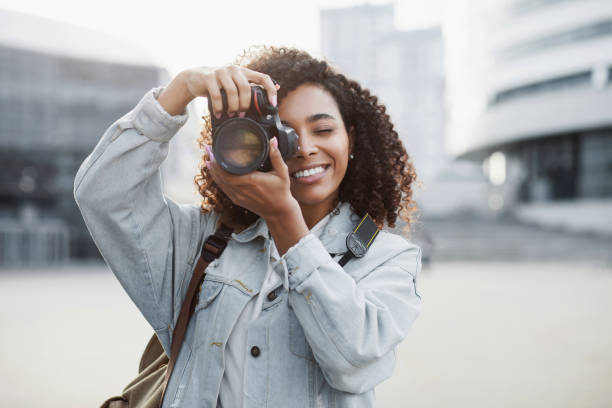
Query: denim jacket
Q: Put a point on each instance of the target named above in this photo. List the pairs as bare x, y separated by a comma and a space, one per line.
327, 341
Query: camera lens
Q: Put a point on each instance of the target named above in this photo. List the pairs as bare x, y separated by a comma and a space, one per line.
240, 146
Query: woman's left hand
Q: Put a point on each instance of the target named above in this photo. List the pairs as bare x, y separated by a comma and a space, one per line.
267, 194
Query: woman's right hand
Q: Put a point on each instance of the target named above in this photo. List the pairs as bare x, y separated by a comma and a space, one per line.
234, 79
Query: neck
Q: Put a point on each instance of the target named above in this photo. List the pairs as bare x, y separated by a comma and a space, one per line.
227, 220
314, 213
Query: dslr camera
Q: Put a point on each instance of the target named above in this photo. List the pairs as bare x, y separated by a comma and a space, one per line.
242, 145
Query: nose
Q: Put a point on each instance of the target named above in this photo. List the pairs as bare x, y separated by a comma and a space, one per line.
306, 144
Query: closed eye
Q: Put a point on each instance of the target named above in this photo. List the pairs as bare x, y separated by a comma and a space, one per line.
323, 130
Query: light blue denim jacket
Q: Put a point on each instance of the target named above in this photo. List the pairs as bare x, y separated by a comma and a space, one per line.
326, 342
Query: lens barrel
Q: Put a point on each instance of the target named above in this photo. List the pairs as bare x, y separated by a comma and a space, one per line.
242, 145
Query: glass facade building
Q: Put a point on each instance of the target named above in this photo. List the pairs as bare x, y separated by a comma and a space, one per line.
53, 109
533, 80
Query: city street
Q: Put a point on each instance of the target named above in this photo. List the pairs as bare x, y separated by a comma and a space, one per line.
490, 335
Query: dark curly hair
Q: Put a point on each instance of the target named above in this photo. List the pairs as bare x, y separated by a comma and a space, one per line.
380, 177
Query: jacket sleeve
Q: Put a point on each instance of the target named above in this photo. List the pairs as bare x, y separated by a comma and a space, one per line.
137, 229
353, 326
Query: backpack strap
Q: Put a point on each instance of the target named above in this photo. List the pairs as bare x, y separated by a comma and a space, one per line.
213, 248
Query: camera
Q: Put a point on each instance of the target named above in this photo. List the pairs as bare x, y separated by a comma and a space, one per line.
242, 145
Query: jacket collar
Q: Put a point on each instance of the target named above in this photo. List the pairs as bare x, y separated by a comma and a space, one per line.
257, 229
341, 223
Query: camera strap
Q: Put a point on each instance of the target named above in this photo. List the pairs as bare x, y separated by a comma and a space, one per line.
359, 240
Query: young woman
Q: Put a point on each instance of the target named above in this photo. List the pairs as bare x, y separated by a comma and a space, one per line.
278, 322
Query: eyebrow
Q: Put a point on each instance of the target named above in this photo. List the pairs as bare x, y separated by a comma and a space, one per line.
315, 117
319, 116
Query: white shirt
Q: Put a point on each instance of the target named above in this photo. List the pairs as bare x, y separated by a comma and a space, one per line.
231, 390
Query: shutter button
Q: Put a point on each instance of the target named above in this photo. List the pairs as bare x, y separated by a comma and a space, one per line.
272, 295
255, 352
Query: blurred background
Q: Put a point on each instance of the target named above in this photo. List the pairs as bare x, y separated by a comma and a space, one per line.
504, 105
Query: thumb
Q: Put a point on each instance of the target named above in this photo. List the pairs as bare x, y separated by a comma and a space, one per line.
276, 159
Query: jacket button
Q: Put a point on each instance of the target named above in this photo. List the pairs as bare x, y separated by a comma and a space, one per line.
255, 352
272, 295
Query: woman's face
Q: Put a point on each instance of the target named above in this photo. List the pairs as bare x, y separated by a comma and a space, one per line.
320, 164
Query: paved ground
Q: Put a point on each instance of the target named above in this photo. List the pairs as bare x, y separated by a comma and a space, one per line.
490, 335
508, 335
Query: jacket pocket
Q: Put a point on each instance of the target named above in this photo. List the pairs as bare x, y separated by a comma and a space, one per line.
297, 339
205, 311
208, 292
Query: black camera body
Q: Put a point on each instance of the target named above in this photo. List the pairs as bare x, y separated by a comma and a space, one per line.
242, 145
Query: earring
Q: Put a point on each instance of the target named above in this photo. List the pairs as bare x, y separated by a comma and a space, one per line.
351, 156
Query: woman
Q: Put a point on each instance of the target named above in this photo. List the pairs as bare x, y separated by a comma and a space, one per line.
278, 322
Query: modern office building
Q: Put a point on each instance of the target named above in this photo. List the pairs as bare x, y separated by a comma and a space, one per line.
350, 36
405, 69
530, 97
61, 86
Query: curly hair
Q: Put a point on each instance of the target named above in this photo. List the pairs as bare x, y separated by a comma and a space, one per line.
378, 179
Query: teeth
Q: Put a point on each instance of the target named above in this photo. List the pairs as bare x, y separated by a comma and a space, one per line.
309, 172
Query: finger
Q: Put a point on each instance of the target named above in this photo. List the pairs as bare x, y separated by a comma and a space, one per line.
215, 172
276, 159
214, 93
230, 89
244, 89
229, 179
211, 156
265, 81
218, 175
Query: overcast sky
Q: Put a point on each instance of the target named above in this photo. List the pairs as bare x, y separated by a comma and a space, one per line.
186, 33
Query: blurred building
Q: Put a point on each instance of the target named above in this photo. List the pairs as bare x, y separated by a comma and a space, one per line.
405, 69
530, 93
61, 86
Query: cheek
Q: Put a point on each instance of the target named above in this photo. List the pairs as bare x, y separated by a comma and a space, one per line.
342, 162
342, 156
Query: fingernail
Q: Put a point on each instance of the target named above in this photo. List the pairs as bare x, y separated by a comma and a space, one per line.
208, 164
211, 156
218, 115
241, 114
277, 86
274, 143
231, 114
274, 100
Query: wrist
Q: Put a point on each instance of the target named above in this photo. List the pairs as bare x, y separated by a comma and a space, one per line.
175, 97
290, 212
287, 227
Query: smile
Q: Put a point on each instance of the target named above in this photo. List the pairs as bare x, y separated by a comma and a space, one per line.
310, 175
